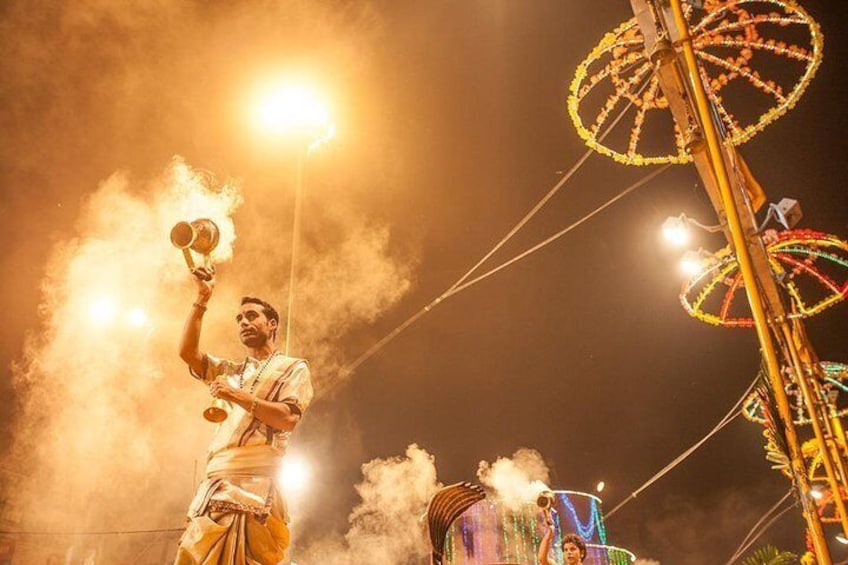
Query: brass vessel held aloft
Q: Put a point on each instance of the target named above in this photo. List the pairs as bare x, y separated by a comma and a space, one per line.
545, 500
200, 236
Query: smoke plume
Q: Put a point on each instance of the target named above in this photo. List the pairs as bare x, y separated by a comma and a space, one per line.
386, 526
516, 480
104, 414
107, 432
107, 412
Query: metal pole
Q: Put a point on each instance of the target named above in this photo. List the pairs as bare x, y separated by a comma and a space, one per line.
752, 288
298, 205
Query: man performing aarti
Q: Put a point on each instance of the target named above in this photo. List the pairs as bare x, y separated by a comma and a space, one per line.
238, 514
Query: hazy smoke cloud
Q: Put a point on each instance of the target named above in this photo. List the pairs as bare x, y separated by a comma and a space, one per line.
518, 479
108, 413
386, 526
134, 76
107, 431
105, 412
348, 279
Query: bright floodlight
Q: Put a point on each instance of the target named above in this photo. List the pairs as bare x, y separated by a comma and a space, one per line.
295, 474
102, 310
137, 317
294, 110
692, 263
842, 539
816, 493
601, 486
675, 230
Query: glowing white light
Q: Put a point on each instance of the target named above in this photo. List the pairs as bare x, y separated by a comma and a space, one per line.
102, 310
691, 263
600, 487
297, 110
842, 539
137, 317
294, 475
816, 493
675, 230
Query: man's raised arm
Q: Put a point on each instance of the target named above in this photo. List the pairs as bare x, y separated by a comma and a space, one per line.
545, 544
190, 340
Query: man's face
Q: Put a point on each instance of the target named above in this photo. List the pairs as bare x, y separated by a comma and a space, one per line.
255, 328
571, 554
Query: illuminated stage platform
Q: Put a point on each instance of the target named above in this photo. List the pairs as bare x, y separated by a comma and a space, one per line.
490, 533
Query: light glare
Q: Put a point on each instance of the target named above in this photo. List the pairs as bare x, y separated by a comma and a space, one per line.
293, 110
816, 493
675, 230
691, 263
137, 317
102, 310
294, 475
601, 486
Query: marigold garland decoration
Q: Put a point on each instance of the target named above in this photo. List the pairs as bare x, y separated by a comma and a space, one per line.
757, 58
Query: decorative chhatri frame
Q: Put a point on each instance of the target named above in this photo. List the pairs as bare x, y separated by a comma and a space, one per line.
731, 39
794, 256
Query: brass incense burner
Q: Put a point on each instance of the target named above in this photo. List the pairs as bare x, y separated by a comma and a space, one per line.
200, 236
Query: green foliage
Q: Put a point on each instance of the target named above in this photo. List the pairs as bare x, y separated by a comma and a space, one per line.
770, 555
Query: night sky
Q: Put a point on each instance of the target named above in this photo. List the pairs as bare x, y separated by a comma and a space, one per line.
452, 124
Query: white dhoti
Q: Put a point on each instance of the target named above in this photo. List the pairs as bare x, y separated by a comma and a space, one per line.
238, 515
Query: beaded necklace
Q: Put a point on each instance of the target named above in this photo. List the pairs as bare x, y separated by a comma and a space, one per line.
258, 373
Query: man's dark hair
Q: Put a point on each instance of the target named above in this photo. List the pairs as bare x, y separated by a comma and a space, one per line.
269, 311
576, 540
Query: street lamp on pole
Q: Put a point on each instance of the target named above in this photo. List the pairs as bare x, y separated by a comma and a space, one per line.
298, 113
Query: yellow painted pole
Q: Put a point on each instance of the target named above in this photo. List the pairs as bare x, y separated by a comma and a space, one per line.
752, 288
839, 432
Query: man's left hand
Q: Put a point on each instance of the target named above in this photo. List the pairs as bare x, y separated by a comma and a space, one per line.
224, 391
